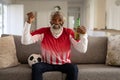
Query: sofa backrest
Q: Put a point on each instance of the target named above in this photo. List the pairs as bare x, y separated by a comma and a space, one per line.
24, 51
96, 53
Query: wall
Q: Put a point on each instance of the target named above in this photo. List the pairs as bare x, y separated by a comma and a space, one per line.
113, 14
92, 11
94, 14
88, 7
75, 9
42, 6
100, 10
7, 1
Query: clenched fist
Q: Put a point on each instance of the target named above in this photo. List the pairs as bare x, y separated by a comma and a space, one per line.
81, 30
31, 17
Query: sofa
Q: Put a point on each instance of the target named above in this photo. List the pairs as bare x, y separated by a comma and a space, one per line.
91, 65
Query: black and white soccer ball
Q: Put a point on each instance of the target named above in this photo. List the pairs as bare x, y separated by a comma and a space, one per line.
34, 58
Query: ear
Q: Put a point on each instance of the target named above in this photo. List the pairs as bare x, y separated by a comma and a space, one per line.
62, 23
51, 22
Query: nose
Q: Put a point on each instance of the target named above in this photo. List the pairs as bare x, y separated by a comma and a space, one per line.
56, 22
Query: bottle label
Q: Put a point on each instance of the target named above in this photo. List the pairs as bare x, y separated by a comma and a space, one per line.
77, 24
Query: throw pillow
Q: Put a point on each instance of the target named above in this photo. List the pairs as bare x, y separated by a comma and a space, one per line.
113, 52
8, 56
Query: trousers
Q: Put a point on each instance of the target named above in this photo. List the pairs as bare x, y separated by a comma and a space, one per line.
69, 69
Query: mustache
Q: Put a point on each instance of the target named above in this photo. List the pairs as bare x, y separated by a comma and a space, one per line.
56, 26
60, 24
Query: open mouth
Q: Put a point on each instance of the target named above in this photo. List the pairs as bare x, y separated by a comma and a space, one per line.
56, 26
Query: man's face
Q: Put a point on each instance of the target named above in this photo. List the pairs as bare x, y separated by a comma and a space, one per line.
56, 22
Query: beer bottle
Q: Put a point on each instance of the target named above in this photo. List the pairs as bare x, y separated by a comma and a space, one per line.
77, 24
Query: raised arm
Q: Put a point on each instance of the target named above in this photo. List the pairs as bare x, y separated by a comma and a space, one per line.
81, 44
27, 38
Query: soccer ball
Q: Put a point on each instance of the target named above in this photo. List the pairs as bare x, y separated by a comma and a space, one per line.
34, 58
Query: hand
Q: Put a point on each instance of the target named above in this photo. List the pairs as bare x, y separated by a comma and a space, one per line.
81, 30
31, 17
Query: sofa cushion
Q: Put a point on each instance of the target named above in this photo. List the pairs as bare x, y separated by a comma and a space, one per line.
113, 54
96, 53
21, 72
97, 72
8, 56
24, 72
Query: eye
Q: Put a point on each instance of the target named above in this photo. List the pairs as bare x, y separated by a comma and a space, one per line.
54, 19
31, 58
60, 20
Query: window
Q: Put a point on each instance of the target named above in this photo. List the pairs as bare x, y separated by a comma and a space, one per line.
71, 22
73, 13
3, 17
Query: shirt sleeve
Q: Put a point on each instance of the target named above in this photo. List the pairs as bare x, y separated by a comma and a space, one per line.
29, 38
80, 45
